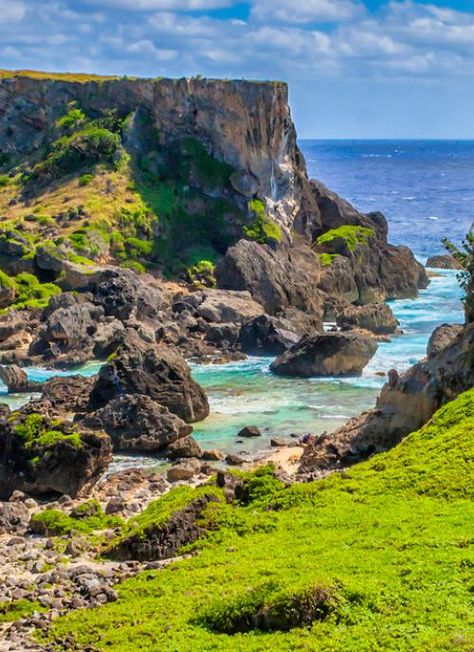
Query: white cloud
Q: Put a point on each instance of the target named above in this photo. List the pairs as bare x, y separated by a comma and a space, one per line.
12, 10
163, 5
305, 11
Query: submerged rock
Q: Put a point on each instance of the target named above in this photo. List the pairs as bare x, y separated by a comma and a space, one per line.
250, 431
327, 354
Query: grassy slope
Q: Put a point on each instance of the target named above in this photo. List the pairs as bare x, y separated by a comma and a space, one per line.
393, 538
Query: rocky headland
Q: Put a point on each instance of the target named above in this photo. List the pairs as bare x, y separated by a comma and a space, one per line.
147, 224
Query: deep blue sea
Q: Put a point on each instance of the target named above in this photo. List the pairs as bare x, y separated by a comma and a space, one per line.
426, 190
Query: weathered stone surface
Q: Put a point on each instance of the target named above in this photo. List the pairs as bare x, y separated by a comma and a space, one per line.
226, 306
183, 470
267, 335
443, 262
137, 423
184, 448
442, 337
277, 279
155, 371
327, 354
377, 318
59, 465
406, 402
67, 394
123, 294
16, 379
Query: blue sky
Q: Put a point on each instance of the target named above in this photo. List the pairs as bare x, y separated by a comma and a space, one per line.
356, 68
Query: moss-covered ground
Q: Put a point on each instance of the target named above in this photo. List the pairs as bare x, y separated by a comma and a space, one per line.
378, 558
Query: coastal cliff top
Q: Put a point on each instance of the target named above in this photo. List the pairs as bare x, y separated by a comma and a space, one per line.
83, 78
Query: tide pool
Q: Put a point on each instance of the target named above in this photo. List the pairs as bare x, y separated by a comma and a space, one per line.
246, 393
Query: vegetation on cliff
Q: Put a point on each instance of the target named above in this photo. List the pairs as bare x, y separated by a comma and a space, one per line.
376, 558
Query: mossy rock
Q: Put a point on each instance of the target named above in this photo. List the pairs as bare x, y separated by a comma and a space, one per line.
345, 239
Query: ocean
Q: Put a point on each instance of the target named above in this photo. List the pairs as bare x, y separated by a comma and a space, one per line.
426, 190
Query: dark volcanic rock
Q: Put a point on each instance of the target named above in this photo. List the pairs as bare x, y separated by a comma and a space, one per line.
16, 380
137, 423
38, 456
328, 354
406, 403
164, 541
184, 448
267, 335
155, 371
123, 294
68, 393
443, 262
377, 318
277, 279
250, 431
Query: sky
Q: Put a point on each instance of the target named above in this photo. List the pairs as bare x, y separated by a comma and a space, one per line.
355, 68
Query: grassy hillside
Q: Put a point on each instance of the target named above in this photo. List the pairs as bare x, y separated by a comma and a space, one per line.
378, 558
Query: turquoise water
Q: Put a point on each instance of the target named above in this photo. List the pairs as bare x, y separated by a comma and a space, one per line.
246, 393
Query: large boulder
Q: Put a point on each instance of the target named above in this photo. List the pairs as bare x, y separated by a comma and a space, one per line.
67, 394
222, 306
123, 294
266, 335
442, 337
16, 379
406, 403
44, 457
377, 318
138, 423
443, 262
277, 279
155, 371
326, 354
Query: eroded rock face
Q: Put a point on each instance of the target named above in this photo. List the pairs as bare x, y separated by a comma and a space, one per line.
442, 337
327, 354
16, 379
43, 457
184, 448
155, 371
123, 294
137, 423
277, 279
267, 335
67, 394
405, 404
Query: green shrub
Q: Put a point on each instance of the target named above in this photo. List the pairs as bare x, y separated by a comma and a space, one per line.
57, 523
213, 172
34, 433
72, 119
85, 179
352, 236
137, 248
137, 267
326, 260
262, 229
33, 294
12, 611
6, 282
4, 180
202, 274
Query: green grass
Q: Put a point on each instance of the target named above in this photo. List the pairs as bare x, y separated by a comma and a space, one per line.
379, 559
353, 236
12, 611
35, 433
57, 523
326, 260
56, 76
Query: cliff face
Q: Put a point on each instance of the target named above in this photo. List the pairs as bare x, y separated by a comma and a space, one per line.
246, 124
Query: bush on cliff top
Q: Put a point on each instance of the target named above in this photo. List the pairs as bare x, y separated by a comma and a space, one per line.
352, 236
383, 550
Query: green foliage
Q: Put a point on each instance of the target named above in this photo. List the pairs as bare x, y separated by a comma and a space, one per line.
35, 434
326, 260
85, 179
465, 255
91, 242
57, 523
211, 171
4, 180
137, 267
72, 119
202, 274
12, 611
88, 146
137, 248
6, 281
33, 294
262, 229
384, 551
352, 236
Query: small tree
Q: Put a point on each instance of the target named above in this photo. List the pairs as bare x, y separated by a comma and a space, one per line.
465, 255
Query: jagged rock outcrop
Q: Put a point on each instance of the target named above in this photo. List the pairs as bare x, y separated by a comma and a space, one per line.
267, 335
326, 354
137, 423
405, 404
442, 337
41, 456
67, 394
155, 371
16, 380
